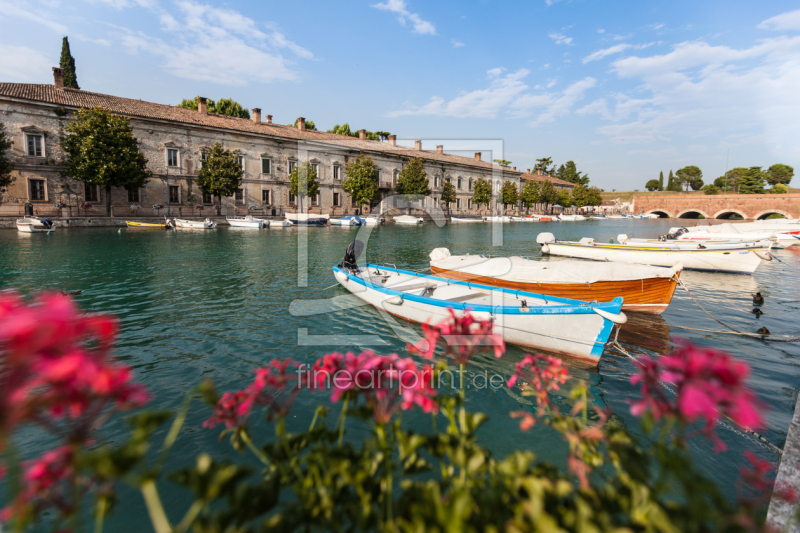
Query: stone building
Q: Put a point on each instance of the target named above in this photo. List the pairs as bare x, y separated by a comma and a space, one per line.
171, 139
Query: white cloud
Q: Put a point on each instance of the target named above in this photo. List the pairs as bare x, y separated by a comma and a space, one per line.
219, 45
22, 64
23, 11
601, 30
560, 38
555, 104
399, 8
456, 44
785, 21
617, 48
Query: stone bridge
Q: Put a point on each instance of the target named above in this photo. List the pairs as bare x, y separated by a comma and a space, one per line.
722, 206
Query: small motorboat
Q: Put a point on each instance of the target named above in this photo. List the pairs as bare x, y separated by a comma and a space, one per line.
597, 217
307, 219
181, 223
519, 219
248, 221
543, 218
558, 325
735, 258
460, 220
408, 220
373, 220
645, 289
571, 218
501, 219
782, 235
33, 224
350, 220
146, 225
279, 223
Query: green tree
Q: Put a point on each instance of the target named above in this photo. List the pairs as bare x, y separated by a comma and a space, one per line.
482, 192
544, 165
303, 182
6, 166
660, 181
221, 173
711, 189
413, 179
502, 162
580, 196
673, 185
560, 172
448, 194
509, 194
548, 194
67, 65
362, 179
344, 129
223, 106
780, 173
565, 197
383, 135
572, 175
752, 182
101, 150
690, 176
309, 125
779, 188
593, 197
530, 193
653, 185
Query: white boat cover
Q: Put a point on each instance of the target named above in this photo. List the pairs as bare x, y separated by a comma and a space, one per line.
523, 270
745, 227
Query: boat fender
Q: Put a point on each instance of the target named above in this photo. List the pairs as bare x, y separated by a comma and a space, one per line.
341, 277
545, 238
622, 238
586, 241
545, 249
766, 256
394, 300
621, 318
677, 267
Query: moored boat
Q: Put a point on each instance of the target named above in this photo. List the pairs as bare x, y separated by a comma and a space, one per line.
280, 223
373, 220
350, 220
558, 325
571, 218
245, 222
145, 225
645, 289
597, 217
307, 219
32, 224
502, 219
782, 235
408, 220
459, 220
737, 258
543, 218
195, 224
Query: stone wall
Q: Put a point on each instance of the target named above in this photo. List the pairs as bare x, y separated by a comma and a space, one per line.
748, 206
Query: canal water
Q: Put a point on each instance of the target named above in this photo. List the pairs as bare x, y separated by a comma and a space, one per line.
197, 304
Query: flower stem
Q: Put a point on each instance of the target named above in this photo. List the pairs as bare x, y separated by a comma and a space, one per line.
154, 508
189, 517
100, 513
342, 418
258, 453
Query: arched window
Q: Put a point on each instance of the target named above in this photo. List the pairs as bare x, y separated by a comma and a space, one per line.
470, 184
458, 183
436, 182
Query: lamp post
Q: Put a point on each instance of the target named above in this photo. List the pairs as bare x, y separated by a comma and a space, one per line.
66, 190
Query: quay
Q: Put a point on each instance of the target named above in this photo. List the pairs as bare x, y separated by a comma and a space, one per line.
782, 515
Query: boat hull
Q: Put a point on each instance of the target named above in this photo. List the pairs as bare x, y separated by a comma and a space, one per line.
456, 220
144, 225
651, 295
310, 222
34, 225
194, 224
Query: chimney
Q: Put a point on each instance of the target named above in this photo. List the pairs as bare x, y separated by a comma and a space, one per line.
477, 156
528, 171
362, 135
301, 124
439, 148
257, 115
515, 168
58, 78
269, 119
417, 145
393, 140
202, 105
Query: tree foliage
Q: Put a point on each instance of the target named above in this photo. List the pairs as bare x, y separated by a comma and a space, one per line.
309, 125
448, 193
779, 188
580, 196
544, 165
221, 173
565, 197
482, 192
570, 173
101, 150
303, 181
362, 179
593, 196
711, 189
780, 173
660, 181
547, 193
509, 195
673, 184
223, 106
653, 185
67, 65
690, 176
344, 129
6, 165
752, 182
530, 193
502, 162
413, 179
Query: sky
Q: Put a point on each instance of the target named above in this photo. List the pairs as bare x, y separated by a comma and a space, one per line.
625, 88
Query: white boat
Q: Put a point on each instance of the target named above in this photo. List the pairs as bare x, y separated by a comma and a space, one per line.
459, 220
779, 239
279, 223
571, 218
597, 217
350, 220
615, 217
649, 216
557, 325
373, 220
782, 234
245, 222
194, 224
544, 218
408, 220
33, 224
737, 258
307, 219
502, 219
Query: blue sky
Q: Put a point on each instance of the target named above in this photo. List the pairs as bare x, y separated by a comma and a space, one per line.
624, 88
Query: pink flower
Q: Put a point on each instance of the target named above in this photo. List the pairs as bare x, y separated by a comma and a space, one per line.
539, 380
42, 477
756, 476
465, 336
653, 398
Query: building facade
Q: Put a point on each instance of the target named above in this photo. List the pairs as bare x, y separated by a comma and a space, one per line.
172, 140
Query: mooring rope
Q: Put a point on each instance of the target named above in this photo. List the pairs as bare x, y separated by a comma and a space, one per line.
764, 443
784, 263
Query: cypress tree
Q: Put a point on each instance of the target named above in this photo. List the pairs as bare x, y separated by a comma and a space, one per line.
67, 65
661, 181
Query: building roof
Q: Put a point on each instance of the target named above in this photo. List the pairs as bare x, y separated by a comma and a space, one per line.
77, 98
610, 202
541, 177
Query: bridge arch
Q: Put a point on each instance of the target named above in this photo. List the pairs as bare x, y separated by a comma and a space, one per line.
692, 213
767, 212
727, 213
662, 213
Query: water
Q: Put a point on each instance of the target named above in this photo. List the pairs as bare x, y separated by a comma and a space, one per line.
196, 304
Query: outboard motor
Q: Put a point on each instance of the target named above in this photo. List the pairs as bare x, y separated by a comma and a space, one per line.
673, 236
47, 223
351, 255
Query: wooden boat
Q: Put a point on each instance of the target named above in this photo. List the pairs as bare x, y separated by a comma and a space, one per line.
279, 223
195, 224
557, 325
33, 224
738, 258
307, 219
248, 221
459, 220
645, 289
350, 220
408, 220
145, 225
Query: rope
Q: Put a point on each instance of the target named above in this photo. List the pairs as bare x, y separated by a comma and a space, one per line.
784, 263
757, 337
727, 332
764, 443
